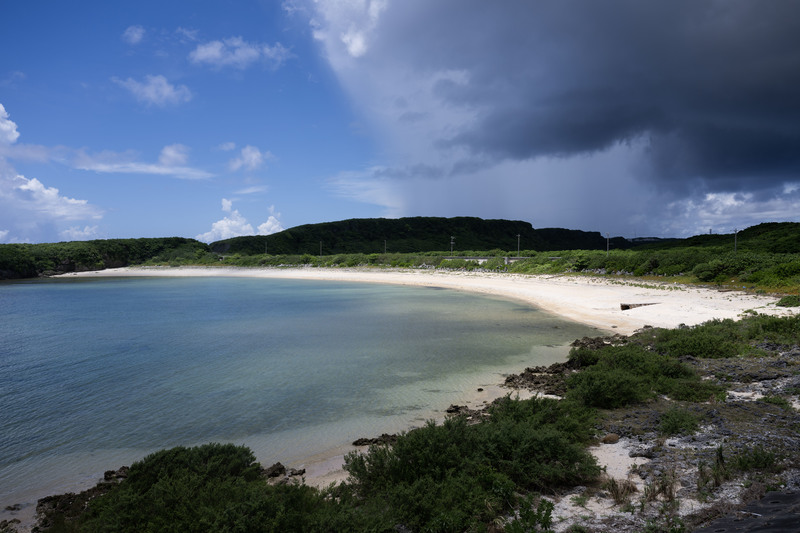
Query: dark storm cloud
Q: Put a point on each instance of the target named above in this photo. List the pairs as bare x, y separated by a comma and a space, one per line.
712, 86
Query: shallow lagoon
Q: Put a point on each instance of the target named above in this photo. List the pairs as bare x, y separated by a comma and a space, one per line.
96, 373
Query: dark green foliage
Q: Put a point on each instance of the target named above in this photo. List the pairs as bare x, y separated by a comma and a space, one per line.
676, 421
756, 458
455, 476
782, 330
777, 400
792, 300
609, 388
717, 338
630, 374
449, 477
216, 487
414, 235
726, 338
615, 376
16, 261
532, 519
582, 357
30, 260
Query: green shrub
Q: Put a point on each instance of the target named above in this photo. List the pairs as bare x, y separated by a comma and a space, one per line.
782, 330
777, 400
792, 300
676, 421
713, 339
608, 388
756, 458
456, 477
582, 357
628, 374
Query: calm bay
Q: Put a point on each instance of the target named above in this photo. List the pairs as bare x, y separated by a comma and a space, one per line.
97, 373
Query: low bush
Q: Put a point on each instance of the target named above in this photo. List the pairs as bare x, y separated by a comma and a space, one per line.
455, 476
676, 421
629, 374
713, 339
792, 300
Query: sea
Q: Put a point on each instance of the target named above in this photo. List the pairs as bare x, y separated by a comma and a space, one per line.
98, 373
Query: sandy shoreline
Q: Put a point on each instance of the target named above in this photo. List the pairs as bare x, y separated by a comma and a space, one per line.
590, 300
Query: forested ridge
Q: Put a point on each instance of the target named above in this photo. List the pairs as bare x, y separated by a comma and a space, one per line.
32, 260
415, 235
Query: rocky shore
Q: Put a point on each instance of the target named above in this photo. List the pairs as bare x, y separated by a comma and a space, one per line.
686, 480
689, 480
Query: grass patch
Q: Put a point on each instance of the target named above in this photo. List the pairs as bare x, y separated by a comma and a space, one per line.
678, 421
791, 300
777, 400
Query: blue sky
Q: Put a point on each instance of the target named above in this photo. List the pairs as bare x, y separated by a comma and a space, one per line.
215, 119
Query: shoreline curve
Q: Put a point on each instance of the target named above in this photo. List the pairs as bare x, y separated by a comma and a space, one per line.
594, 301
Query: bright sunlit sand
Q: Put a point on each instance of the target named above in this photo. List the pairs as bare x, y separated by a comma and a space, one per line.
590, 300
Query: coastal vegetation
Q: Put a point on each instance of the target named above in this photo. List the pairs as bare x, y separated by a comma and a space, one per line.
492, 471
32, 260
761, 258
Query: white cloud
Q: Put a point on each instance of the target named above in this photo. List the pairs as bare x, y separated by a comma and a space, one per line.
171, 163
235, 225
76, 233
174, 155
155, 90
8, 129
237, 53
272, 225
186, 34
250, 158
227, 147
28, 208
13, 78
349, 23
254, 189
726, 212
133, 35
26, 199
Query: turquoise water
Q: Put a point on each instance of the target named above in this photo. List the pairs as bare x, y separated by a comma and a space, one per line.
96, 373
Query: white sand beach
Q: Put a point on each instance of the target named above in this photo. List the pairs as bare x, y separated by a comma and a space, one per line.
590, 300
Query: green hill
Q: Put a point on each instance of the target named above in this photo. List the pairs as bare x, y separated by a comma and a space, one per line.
770, 237
413, 235
31, 260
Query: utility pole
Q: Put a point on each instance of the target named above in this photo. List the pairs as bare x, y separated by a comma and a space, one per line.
517, 244
735, 234
452, 241
608, 244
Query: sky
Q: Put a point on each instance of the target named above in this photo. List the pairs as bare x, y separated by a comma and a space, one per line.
213, 119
